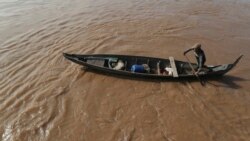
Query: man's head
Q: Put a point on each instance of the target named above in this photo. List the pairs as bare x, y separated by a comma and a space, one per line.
197, 47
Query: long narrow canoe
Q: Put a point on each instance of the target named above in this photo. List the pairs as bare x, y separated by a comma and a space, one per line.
180, 69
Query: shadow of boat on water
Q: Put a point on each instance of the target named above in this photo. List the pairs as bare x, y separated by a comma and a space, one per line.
226, 81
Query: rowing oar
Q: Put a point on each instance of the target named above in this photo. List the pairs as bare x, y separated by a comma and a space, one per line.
194, 70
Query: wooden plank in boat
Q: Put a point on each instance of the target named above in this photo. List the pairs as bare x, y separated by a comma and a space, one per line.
96, 62
173, 66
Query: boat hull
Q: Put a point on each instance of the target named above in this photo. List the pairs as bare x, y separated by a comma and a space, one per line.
99, 63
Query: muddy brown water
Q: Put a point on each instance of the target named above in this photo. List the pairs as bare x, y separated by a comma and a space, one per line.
44, 97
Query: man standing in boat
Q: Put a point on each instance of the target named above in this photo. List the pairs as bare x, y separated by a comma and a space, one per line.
199, 55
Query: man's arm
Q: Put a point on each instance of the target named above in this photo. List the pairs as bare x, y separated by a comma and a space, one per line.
185, 52
195, 46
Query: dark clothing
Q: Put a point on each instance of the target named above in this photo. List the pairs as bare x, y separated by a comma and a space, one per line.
200, 57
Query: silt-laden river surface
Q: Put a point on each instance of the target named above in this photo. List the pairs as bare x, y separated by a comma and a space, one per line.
44, 97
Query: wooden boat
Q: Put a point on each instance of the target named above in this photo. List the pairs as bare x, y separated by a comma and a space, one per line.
180, 69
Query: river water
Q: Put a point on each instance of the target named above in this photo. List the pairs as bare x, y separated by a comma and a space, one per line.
44, 97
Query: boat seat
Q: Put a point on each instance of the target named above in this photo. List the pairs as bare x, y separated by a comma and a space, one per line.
173, 66
158, 70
